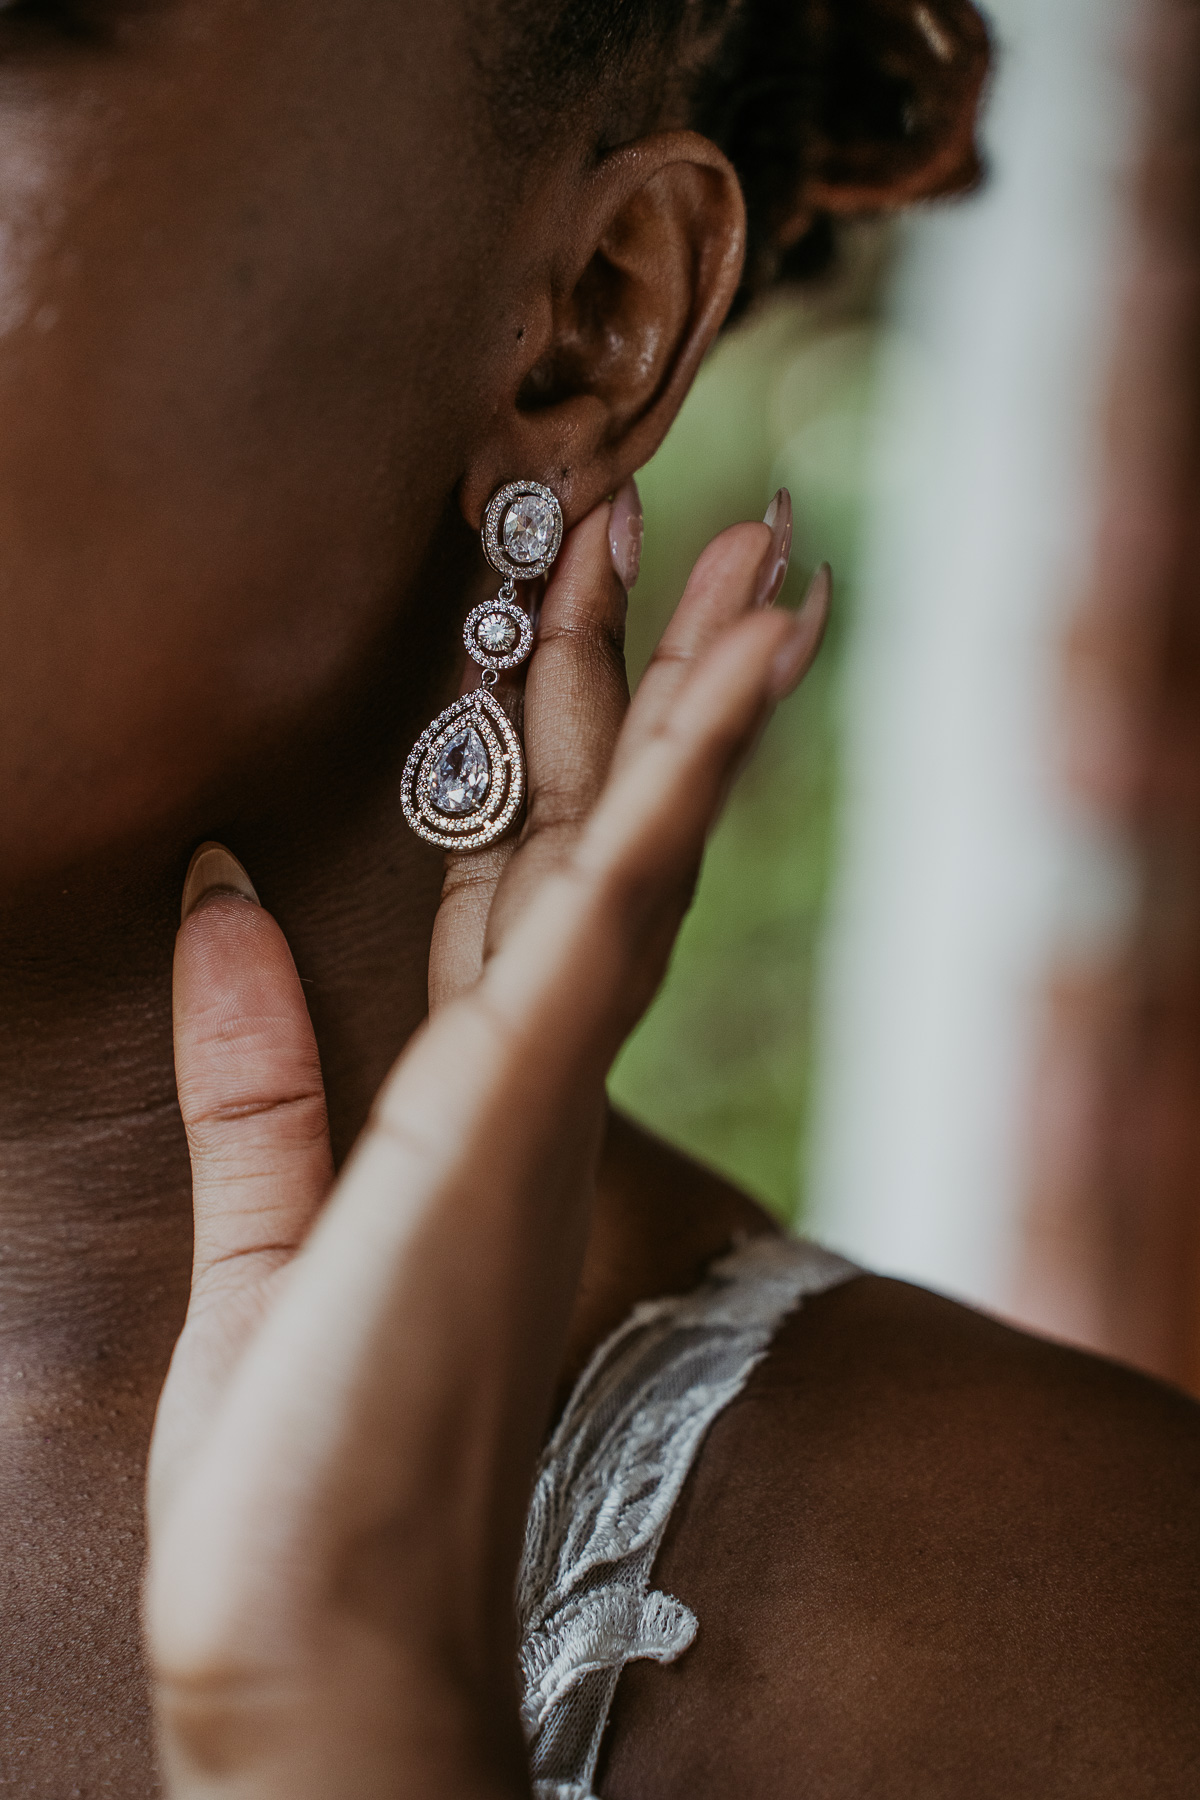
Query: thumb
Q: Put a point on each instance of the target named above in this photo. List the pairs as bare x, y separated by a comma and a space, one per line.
249, 1082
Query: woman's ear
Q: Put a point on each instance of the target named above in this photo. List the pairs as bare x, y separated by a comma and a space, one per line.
646, 258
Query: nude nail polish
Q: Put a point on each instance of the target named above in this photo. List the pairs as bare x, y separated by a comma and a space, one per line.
795, 656
214, 870
625, 530
778, 517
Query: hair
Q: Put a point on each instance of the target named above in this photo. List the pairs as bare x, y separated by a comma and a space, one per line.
825, 108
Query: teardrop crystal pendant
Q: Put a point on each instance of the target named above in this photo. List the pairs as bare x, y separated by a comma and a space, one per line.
465, 776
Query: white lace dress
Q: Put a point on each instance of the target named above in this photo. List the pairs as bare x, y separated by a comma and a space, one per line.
608, 1481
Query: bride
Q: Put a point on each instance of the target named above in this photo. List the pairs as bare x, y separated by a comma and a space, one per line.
297, 299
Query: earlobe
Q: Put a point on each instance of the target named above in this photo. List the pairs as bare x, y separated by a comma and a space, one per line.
635, 291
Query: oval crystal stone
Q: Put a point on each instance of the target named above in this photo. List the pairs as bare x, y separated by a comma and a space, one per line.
463, 774
528, 528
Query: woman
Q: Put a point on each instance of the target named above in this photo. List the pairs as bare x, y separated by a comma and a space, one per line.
288, 292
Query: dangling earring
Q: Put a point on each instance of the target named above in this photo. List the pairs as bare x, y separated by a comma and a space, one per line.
464, 780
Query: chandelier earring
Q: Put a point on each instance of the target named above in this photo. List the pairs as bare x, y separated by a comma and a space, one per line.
464, 780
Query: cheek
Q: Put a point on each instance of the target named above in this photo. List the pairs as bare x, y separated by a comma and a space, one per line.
222, 454
185, 579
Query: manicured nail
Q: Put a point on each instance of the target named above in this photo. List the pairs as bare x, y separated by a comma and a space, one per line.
778, 517
214, 870
792, 661
625, 529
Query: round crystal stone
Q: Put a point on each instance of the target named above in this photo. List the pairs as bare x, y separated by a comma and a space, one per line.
496, 632
528, 528
463, 774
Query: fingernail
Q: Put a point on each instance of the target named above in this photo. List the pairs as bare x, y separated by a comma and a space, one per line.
775, 563
804, 639
214, 870
625, 530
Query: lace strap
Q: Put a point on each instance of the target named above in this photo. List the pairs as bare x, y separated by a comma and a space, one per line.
609, 1480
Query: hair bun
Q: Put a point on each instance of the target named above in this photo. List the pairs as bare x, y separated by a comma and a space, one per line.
829, 108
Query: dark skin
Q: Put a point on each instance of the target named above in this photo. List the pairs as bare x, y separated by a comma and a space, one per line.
940, 1558
276, 321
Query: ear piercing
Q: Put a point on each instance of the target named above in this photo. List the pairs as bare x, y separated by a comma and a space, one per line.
464, 780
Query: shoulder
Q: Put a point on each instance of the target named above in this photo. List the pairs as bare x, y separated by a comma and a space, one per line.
930, 1556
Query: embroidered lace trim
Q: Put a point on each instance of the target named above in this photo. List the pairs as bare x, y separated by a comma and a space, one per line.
608, 1481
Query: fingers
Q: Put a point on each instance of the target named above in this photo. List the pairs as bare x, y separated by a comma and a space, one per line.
636, 861
250, 1091
723, 586
667, 793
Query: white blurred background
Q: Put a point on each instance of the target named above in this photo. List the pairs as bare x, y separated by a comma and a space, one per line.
963, 863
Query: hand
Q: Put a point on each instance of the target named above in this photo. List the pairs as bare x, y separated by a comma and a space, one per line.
346, 1440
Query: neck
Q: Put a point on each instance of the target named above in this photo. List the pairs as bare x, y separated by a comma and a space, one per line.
95, 1209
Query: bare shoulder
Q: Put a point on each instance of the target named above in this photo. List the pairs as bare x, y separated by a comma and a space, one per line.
930, 1557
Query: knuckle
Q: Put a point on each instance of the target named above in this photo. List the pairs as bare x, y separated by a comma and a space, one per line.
560, 805
241, 1279
212, 1710
295, 1119
642, 902
586, 636
652, 878
672, 656
474, 872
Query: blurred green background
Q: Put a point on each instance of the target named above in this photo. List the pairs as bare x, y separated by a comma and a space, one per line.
722, 1064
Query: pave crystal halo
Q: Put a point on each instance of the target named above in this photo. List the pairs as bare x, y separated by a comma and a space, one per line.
498, 634
522, 530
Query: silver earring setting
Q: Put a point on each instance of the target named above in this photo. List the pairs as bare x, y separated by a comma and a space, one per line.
464, 780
